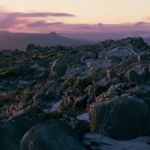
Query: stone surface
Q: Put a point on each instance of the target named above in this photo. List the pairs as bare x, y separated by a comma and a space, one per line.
98, 142
122, 118
12, 130
55, 135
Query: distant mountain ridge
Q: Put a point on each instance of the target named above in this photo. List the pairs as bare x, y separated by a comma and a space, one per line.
20, 41
102, 36
12, 41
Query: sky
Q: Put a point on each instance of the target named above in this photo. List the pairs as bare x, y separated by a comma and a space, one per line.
74, 15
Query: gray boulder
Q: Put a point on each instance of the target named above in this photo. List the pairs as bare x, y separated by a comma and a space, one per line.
12, 131
121, 118
59, 66
55, 135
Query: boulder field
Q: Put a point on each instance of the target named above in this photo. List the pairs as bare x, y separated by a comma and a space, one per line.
92, 97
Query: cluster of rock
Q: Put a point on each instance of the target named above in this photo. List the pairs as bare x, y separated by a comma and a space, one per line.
51, 99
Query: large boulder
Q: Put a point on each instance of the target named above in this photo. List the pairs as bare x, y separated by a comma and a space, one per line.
12, 131
59, 66
123, 117
55, 135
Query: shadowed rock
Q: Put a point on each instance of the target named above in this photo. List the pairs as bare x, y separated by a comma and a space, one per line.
122, 118
13, 130
55, 135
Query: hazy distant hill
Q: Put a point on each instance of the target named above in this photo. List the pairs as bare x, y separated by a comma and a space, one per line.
12, 41
21, 40
102, 36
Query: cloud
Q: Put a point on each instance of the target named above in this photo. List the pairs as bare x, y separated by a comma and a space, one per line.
42, 22
147, 18
2, 8
9, 20
45, 26
23, 20
36, 14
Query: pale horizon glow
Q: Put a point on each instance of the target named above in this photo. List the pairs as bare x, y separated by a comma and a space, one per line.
83, 12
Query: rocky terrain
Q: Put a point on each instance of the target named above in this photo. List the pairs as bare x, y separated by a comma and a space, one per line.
94, 97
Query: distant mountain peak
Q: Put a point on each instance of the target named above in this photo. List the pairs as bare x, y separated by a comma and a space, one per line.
4, 32
53, 34
21, 40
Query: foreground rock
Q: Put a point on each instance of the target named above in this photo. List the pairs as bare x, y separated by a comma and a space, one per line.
124, 117
12, 131
97, 142
55, 135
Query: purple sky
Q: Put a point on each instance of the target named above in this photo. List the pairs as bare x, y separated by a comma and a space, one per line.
38, 22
